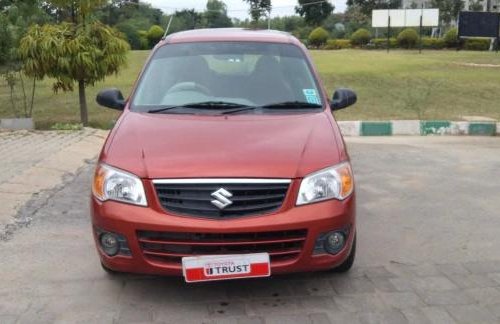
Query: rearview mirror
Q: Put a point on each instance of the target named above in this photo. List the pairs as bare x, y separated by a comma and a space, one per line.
111, 98
343, 98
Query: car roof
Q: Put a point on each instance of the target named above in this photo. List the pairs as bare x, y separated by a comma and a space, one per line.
231, 34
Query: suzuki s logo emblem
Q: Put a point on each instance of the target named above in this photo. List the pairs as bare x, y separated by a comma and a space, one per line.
221, 200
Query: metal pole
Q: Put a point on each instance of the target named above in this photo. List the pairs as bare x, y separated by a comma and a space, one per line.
498, 35
421, 25
388, 32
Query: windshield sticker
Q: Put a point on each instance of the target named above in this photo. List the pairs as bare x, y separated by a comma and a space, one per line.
311, 96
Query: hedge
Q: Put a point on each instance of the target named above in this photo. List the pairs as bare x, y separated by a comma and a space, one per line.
477, 44
433, 43
451, 38
335, 44
381, 43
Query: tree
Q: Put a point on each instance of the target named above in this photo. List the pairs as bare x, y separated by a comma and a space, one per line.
314, 12
185, 20
354, 18
476, 5
14, 21
258, 8
448, 9
131, 33
216, 15
6, 40
367, 6
81, 51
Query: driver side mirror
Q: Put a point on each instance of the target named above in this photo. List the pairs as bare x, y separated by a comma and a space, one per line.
343, 98
111, 98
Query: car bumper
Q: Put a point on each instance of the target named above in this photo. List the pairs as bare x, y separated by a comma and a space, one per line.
316, 218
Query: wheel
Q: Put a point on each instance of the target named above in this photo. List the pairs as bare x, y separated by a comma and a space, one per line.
110, 271
347, 264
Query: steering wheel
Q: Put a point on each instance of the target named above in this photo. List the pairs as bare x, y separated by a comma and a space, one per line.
189, 86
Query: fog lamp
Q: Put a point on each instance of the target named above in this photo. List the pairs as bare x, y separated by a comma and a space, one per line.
110, 244
334, 242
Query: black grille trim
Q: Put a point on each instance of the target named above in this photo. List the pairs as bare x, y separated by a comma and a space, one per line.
194, 199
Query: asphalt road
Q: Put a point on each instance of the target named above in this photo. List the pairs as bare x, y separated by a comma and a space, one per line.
428, 252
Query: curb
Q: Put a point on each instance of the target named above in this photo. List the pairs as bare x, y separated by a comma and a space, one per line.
418, 128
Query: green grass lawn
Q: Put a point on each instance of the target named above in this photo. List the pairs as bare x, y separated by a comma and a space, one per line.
396, 85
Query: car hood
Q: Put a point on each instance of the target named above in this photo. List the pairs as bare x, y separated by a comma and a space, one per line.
194, 146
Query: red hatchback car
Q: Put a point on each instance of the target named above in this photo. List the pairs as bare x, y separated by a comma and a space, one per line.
225, 163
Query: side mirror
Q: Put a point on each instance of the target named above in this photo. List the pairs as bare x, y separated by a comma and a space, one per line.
343, 98
111, 98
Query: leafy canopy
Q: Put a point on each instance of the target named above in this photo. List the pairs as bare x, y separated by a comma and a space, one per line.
314, 12
216, 15
448, 9
367, 6
258, 8
69, 53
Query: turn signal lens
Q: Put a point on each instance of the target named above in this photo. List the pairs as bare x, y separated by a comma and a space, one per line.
98, 183
346, 180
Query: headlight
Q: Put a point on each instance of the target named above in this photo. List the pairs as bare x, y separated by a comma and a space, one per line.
331, 183
113, 184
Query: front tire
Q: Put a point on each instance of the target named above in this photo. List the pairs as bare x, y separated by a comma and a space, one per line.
347, 264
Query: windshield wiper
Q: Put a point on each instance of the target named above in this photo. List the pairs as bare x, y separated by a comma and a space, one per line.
291, 104
279, 105
202, 105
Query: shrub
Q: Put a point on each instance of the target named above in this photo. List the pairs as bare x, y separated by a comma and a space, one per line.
318, 37
155, 33
433, 43
451, 38
477, 44
381, 43
336, 44
408, 38
361, 37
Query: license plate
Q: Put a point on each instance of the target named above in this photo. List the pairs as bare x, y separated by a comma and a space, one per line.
224, 267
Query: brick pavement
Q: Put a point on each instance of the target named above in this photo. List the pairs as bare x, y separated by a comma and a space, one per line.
50, 273
34, 161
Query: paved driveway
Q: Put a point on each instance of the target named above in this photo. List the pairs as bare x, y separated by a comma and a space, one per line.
429, 252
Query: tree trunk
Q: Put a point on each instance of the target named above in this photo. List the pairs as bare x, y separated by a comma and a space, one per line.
32, 103
83, 103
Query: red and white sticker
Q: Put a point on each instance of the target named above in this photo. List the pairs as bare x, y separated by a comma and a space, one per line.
223, 267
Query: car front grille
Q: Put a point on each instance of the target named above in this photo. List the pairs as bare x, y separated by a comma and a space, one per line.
170, 247
247, 197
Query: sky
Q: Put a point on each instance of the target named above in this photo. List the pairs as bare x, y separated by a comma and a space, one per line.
236, 8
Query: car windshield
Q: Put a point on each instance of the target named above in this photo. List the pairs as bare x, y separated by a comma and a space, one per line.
227, 75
